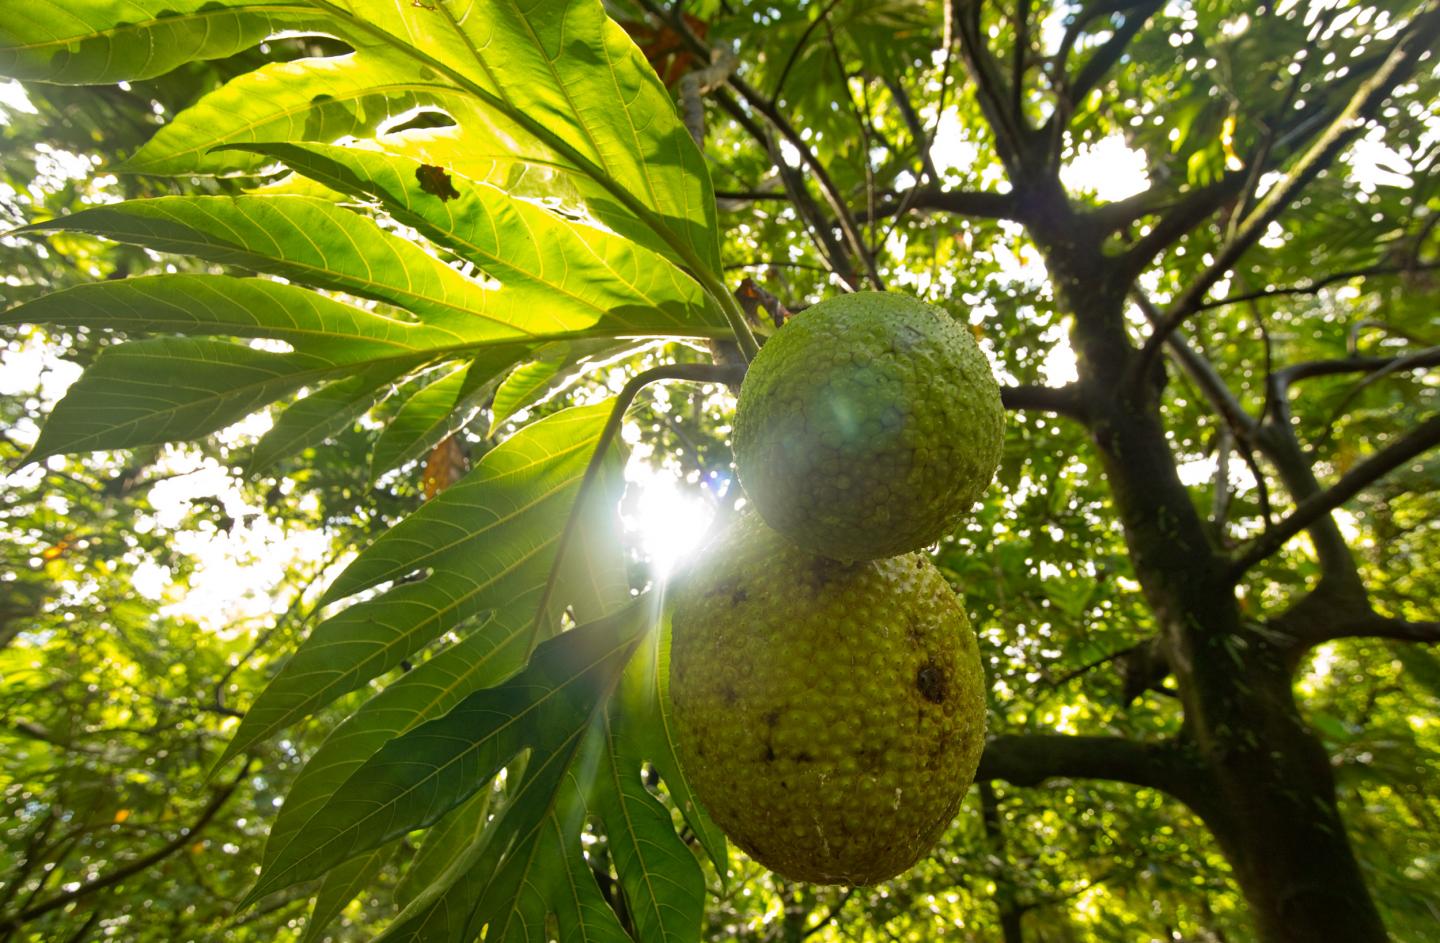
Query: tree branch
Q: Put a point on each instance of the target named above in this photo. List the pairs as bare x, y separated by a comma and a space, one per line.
1183, 215
1012, 135
1417, 441
1031, 759
1313, 287
917, 130
766, 108
1375, 625
831, 252
1367, 99
1104, 59
964, 202
184, 837
1061, 400
1286, 376
830, 914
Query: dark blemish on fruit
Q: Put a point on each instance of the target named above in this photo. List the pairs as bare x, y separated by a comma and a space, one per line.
930, 681
725, 587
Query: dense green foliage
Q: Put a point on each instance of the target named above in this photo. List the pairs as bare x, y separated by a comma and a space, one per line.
316, 615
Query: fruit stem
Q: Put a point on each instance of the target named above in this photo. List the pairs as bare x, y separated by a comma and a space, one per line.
733, 314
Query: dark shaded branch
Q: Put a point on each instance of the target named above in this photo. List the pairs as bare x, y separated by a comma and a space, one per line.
1020, 56
1203, 374
917, 130
828, 189
184, 837
1100, 662
1183, 215
34, 731
1104, 59
1313, 287
1011, 916
963, 202
1398, 65
800, 47
1375, 625
1031, 759
766, 108
1421, 359
1327, 368
752, 195
1062, 400
829, 248
1012, 135
1417, 441
830, 914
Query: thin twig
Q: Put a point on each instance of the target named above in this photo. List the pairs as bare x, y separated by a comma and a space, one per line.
1419, 440
212, 808
1346, 125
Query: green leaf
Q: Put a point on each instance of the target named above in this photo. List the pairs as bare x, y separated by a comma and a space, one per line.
644, 699
569, 276
664, 887
92, 42
484, 657
554, 366
342, 885
438, 409
324, 413
169, 388
419, 776
443, 845
163, 390
571, 78
240, 307
311, 241
545, 875
318, 99
483, 885
484, 542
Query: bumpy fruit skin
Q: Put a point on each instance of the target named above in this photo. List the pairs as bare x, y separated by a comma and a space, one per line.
830, 716
868, 426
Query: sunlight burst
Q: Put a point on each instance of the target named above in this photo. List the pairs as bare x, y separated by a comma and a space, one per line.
663, 518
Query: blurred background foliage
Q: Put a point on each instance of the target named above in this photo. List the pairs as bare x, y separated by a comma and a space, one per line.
145, 597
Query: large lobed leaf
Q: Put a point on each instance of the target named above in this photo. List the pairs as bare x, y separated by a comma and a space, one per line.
551, 101
416, 778
487, 542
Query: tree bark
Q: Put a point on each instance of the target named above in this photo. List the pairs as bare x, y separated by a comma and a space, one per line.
1269, 795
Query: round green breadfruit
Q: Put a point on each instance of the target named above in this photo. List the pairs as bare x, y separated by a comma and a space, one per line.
868, 426
828, 715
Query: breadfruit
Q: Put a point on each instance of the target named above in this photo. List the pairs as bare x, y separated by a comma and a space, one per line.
868, 426
828, 715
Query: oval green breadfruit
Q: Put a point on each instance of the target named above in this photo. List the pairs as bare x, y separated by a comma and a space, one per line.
867, 426
829, 716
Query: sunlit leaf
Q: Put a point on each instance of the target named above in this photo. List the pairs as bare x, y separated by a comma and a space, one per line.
483, 543
419, 776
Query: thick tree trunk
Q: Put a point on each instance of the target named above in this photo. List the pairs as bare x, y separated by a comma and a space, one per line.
1279, 827
1269, 795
